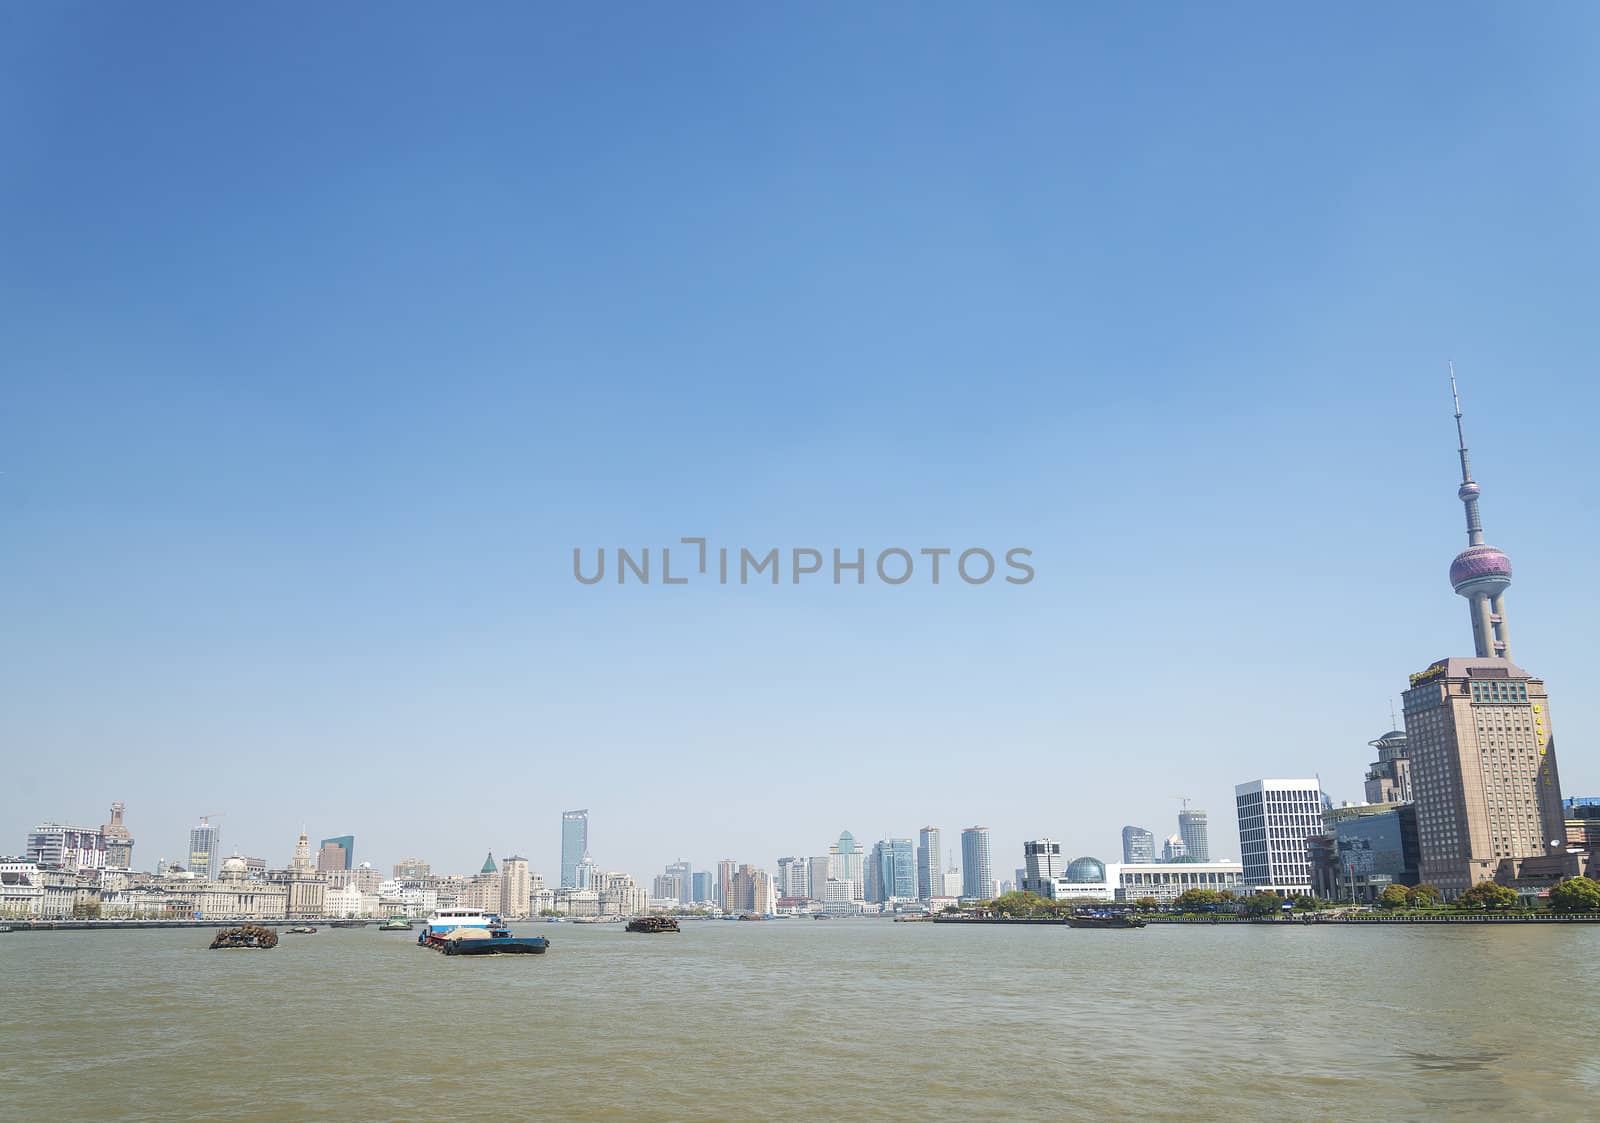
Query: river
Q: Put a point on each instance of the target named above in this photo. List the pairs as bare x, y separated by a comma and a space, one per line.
799, 1019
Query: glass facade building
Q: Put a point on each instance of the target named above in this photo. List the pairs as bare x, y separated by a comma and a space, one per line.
1086, 870
574, 845
977, 871
1138, 845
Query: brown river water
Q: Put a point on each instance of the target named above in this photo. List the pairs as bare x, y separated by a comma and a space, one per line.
856, 1019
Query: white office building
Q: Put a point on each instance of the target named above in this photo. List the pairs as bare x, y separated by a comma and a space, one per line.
1276, 817
1166, 880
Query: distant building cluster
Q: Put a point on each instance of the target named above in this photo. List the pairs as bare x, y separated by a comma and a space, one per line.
1465, 790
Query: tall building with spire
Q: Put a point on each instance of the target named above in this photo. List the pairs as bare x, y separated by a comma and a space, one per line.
1479, 737
1480, 573
119, 840
307, 888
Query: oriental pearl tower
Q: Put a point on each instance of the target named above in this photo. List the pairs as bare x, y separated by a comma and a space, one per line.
1480, 573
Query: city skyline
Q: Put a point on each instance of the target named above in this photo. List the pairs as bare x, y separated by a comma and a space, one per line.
303, 435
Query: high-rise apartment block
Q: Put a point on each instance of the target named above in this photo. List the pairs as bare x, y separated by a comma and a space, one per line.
1276, 817
1041, 859
930, 878
1138, 845
794, 877
574, 845
891, 871
1192, 830
977, 879
205, 855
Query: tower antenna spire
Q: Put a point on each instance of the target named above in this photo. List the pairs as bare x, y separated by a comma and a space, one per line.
1480, 573
1455, 394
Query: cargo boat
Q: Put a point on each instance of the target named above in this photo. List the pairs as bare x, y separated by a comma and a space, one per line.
475, 932
395, 924
652, 924
1105, 920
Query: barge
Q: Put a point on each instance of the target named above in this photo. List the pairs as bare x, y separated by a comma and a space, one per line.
1105, 920
475, 932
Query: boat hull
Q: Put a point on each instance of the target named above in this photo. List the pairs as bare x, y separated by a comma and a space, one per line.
498, 942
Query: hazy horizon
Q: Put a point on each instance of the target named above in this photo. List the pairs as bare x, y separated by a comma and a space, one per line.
326, 350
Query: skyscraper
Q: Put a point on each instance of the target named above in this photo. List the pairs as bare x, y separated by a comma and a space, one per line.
793, 877
891, 871
1276, 817
574, 845
703, 891
900, 872
929, 871
1138, 845
205, 857
725, 870
977, 875
337, 853
1173, 849
847, 864
1041, 866
1192, 829
1480, 739
685, 880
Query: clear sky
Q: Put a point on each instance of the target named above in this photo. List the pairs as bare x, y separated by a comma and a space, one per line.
327, 334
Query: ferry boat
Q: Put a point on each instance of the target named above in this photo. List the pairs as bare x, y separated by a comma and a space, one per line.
463, 931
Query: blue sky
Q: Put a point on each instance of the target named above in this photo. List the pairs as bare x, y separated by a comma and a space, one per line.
326, 336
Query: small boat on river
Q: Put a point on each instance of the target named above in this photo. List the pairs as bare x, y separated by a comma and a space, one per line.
652, 924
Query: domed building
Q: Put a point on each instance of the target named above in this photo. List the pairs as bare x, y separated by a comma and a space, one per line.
232, 896
1086, 870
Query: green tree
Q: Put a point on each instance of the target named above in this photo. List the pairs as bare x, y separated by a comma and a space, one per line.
1576, 894
1263, 904
1147, 904
1487, 895
1394, 897
1019, 902
1194, 900
1423, 896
